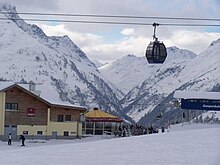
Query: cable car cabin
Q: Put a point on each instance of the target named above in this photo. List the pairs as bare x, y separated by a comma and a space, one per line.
156, 52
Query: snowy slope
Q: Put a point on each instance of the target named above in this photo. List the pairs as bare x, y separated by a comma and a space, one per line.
188, 72
130, 71
27, 54
97, 63
199, 74
208, 117
135, 73
187, 145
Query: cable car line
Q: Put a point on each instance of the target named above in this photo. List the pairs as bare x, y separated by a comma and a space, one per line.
115, 16
110, 22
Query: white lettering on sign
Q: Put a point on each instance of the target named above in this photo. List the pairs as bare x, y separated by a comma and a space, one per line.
211, 106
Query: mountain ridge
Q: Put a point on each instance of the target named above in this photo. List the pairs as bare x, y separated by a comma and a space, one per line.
130, 71
28, 54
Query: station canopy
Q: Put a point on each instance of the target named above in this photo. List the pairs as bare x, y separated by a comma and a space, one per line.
97, 115
197, 95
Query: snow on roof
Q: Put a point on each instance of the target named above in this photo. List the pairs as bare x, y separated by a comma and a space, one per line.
5, 84
197, 95
44, 91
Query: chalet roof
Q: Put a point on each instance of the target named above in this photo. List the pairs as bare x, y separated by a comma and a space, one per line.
44, 92
97, 115
4, 85
197, 95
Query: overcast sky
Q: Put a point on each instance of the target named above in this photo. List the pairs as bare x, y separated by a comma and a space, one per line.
111, 42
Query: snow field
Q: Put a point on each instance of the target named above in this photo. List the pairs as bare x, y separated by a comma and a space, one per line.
190, 145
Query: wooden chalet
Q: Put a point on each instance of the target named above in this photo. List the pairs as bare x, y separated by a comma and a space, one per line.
37, 114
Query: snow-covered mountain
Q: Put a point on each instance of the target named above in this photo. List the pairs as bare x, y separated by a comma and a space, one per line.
131, 71
28, 54
97, 63
155, 94
150, 87
208, 117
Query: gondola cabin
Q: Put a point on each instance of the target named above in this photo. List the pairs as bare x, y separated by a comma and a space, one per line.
156, 52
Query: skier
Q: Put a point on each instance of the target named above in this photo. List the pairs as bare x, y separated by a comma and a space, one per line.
9, 139
162, 129
116, 132
22, 138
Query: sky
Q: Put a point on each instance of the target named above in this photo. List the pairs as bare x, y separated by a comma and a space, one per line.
110, 42
188, 144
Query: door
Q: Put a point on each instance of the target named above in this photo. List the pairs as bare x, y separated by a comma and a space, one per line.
54, 135
10, 129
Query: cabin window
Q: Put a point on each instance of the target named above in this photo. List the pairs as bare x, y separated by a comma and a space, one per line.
67, 117
11, 106
60, 118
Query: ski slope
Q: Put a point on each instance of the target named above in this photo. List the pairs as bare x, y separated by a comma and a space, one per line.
182, 145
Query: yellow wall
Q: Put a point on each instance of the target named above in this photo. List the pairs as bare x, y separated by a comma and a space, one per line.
2, 112
59, 127
32, 130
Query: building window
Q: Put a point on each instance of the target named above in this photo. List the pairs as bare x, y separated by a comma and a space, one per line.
65, 133
39, 132
68, 118
60, 118
25, 132
11, 106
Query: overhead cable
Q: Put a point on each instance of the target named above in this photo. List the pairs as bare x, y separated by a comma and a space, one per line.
111, 22
114, 16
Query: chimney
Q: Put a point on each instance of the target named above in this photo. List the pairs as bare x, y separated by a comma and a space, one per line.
63, 96
32, 86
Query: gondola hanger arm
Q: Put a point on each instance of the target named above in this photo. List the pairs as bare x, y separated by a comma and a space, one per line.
155, 25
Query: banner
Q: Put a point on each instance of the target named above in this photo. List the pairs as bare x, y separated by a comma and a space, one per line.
30, 112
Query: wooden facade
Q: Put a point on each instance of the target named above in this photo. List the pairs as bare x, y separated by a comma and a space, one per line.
23, 112
24, 101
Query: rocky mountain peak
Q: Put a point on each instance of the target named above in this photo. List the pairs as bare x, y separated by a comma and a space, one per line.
174, 53
9, 11
6, 7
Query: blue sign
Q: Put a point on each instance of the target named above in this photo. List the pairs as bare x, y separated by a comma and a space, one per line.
200, 104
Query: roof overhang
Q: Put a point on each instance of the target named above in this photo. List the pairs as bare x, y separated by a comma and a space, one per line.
103, 119
196, 95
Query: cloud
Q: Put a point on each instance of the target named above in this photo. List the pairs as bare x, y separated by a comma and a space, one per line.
91, 38
192, 40
81, 39
127, 31
34, 5
96, 48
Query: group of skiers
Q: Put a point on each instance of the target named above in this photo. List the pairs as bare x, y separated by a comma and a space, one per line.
22, 138
125, 130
